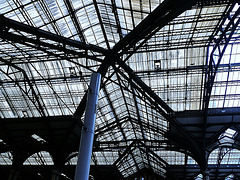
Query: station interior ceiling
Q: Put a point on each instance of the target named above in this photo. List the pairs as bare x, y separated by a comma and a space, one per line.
169, 101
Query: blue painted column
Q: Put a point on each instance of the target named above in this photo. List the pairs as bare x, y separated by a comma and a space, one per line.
86, 142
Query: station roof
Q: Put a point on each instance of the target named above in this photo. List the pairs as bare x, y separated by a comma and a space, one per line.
159, 59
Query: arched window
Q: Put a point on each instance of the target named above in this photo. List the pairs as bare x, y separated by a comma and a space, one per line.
39, 158
224, 156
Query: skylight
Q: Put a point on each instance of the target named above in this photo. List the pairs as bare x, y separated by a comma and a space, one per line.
227, 137
229, 133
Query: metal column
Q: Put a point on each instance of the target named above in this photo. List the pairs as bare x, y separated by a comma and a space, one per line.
86, 142
206, 175
13, 175
55, 175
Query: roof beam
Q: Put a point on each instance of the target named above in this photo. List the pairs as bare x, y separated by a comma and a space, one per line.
125, 101
115, 12
35, 99
162, 108
140, 122
147, 89
220, 43
132, 120
46, 46
101, 23
157, 19
222, 152
219, 46
163, 162
117, 121
7, 24
127, 151
111, 145
114, 113
163, 14
75, 19
218, 122
110, 126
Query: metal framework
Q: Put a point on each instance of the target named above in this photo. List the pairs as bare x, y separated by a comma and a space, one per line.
164, 112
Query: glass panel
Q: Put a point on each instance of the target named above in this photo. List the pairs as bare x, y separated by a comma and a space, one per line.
40, 158
6, 158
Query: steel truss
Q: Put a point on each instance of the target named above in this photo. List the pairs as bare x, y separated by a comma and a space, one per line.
41, 39
160, 106
220, 43
147, 29
161, 16
27, 88
220, 40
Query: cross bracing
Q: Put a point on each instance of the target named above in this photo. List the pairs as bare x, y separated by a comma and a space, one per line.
168, 104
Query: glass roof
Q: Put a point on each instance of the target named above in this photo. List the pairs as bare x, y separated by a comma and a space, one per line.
53, 46
181, 89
